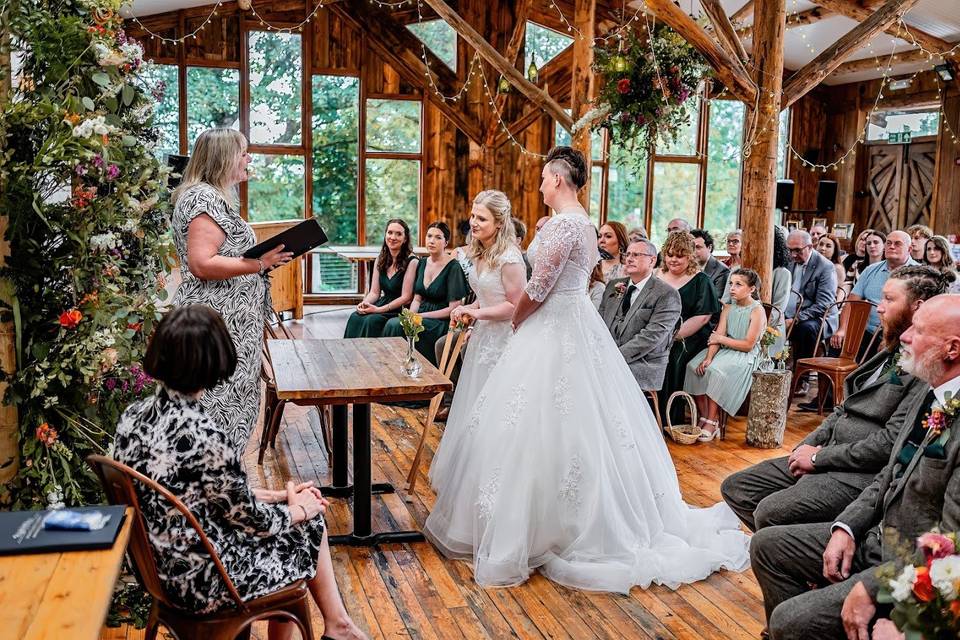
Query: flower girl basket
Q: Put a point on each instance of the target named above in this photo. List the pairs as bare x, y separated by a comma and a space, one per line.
448, 361
683, 433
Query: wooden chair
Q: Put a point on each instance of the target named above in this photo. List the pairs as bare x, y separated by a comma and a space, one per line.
448, 360
289, 604
799, 306
656, 406
837, 369
274, 329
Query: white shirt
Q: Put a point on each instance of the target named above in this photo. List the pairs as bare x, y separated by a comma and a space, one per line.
637, 287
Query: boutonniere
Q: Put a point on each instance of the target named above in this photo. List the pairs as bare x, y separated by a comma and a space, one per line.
620, 288
936, 421
893, 370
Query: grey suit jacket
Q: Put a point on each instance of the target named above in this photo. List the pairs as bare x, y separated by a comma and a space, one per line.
912, 499
858, 436
819, 289
718, 273
645, 333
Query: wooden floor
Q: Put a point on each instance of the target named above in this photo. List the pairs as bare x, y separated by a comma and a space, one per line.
410, 591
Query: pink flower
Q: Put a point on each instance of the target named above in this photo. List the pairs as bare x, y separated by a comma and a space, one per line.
113, 171
935, 546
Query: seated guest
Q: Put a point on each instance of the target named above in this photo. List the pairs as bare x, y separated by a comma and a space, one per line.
719, 377
596, 285
698, 301
841, 457
873, 245
613, 241
439, 288
734, 247
636, 234
391, 284
816, 280
521, 231
829, 248
851, 260
938, 256
713, 268
267, 539
678, 224
641, 313
870, 286
817, 231
919, 234
915, 492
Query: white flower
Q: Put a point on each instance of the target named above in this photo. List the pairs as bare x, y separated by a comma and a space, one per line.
132, 51
55, 498
945, 576
107, 57
104, 241
96, 125
902, 586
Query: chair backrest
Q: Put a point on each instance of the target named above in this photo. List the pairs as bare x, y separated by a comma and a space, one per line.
841, 294
774, 314
273, 329
118, 483
794, 292
858, 315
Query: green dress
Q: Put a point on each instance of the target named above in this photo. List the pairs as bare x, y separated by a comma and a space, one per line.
697, 298
370, 325
449, 285
728, 378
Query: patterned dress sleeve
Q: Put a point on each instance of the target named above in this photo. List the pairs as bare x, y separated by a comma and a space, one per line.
560, 236
230, 494
204, 199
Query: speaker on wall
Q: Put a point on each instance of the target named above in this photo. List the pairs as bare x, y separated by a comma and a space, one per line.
826, 195
784, 195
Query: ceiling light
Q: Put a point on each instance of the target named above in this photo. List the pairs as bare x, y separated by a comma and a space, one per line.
900, 83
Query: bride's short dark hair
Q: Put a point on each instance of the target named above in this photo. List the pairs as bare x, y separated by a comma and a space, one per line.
568, 163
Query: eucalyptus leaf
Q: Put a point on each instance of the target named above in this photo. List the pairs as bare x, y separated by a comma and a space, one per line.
88, 103
101, 79
127, 94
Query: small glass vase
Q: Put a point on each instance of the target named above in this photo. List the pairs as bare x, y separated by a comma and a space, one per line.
411, 365
766, 364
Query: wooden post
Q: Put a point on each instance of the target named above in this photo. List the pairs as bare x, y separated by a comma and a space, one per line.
9, 424
581, 88
760, 167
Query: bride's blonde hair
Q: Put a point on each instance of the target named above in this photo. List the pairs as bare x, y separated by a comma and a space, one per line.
497, 203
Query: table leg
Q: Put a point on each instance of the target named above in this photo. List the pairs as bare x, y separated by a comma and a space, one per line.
362, 518
341, 486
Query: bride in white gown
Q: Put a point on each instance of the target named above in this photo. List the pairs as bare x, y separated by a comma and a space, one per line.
495, 269
561, 466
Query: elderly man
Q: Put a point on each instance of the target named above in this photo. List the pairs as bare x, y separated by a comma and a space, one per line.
713, 268
838, 460
817, 231
896, 253
641, 312
678, 224
816, 280
916, 491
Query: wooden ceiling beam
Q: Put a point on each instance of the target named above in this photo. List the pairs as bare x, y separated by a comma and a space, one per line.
742, 13
513, 50
823, 65
533, 93
401, 49
870, 64
722, 27
800, 19
729, 70
855, 11
555, 75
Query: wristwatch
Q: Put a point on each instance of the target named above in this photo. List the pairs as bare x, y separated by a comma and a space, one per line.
813, 459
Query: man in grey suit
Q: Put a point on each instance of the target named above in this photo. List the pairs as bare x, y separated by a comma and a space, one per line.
816, 279
918, 489
642, 313
711, 267
838, 460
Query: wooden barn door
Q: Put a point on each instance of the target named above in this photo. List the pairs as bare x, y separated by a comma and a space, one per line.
900, 182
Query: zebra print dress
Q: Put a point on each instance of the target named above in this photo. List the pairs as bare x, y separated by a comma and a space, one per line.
242, 301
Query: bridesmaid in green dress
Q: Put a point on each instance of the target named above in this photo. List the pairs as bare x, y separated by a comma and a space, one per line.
391, 284
438, 289
719, 377
698, 300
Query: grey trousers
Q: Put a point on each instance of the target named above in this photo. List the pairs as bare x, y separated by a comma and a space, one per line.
786, 560
767, 494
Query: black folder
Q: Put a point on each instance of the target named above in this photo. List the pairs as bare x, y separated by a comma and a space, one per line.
56, 541
299, 239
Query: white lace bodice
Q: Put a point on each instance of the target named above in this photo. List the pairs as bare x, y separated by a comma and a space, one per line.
563, 254
489, 285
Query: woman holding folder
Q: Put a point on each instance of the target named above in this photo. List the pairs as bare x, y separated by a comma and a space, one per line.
210, 238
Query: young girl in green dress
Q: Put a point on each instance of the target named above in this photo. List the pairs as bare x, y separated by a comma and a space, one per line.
719, 377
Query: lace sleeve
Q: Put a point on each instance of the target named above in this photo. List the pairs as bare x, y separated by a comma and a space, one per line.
559, 237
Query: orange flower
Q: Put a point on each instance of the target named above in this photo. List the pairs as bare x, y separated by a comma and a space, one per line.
70, 319
106, 140
923, 587
135, 326
73, 118
93, 297
955, 609
47, 434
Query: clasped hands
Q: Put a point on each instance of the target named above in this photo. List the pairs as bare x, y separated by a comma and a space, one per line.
858, 607
463, 315
304, 500
800, 462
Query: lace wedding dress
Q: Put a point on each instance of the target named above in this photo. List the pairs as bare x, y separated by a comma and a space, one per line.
487, 341
559, 465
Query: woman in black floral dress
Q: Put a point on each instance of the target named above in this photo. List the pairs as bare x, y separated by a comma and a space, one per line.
266, 539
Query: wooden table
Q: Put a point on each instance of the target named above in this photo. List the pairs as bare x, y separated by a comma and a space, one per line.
59, 595
357, 371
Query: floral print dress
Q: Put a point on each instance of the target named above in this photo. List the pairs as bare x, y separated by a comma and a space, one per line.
171, 439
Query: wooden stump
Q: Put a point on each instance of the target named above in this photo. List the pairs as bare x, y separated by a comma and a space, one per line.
769, 399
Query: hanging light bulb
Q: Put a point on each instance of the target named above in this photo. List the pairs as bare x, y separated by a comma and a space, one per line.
504, 85
619, 63
532, 72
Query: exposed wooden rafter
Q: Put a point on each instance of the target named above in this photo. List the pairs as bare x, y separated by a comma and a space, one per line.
533, 93
729, 70
742, 13
823, 65
870, 64
401, 49
555, 75
855, 11
513, 50
581, 87
800, 19
726, 35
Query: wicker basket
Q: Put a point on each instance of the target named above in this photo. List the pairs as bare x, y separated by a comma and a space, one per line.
683, 433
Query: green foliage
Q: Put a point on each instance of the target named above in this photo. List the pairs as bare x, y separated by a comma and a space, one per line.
87, 207
541, 45
275, 87
439, 37
724, 159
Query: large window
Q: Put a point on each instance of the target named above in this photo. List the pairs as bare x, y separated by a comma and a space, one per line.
626, 190
161, 81
392, 167
275, 88
543, 45
923, 121
439, 37
724, 160
213, 100
275, 190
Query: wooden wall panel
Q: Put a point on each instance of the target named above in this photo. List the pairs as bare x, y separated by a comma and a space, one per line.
217, 43
946, 209
337, 47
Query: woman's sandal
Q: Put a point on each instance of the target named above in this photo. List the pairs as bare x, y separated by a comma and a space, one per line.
707, 436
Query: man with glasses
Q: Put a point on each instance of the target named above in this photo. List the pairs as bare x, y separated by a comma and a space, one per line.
641, 312
816, 280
